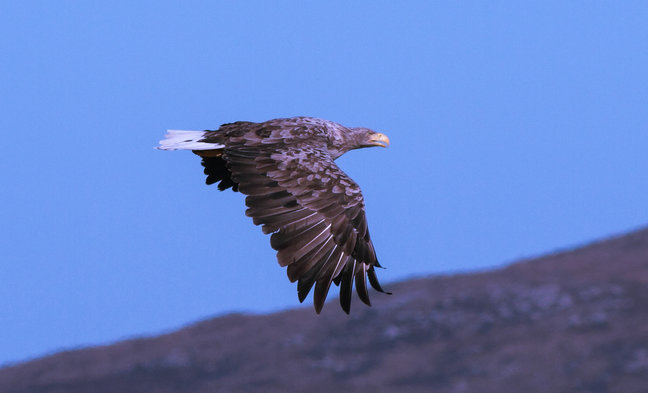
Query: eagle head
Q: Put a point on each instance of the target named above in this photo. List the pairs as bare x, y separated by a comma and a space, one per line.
341, 139
364, 137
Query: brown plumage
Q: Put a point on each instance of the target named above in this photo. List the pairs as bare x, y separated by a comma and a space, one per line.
296, 192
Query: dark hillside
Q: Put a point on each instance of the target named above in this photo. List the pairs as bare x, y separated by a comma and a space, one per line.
574, 321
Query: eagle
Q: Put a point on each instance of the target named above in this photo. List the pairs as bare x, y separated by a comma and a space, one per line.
295, 191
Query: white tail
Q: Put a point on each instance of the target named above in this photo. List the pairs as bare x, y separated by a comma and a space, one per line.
186, 140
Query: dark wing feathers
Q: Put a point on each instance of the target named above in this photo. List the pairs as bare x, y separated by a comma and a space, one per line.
325, 277
299, 264
216, 171
373, 280
346, 286
295, 191
361, 284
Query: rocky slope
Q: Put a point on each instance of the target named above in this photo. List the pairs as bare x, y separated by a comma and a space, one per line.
573, 321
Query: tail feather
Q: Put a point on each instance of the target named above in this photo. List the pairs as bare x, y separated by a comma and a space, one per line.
186, 140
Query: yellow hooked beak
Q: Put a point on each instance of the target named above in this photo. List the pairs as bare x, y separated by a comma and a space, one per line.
379, 139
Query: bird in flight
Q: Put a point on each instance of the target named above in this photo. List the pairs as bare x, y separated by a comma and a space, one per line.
295, 191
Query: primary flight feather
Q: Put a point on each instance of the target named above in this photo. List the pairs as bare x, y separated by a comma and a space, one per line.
295, 191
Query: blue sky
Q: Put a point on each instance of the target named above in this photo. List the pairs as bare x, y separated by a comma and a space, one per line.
516, 129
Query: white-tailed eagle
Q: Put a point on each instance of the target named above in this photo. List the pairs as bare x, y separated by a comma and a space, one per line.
296, 192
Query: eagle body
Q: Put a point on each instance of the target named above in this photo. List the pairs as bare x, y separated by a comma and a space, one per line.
296, 192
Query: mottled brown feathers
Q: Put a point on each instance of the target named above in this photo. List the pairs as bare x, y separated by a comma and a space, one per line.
297, 193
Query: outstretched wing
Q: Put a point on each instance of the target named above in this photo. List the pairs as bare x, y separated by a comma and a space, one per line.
315, 213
